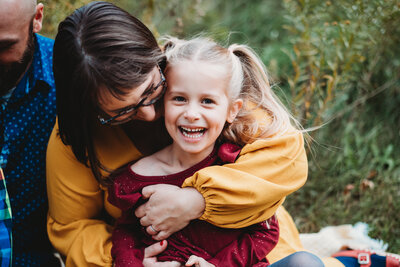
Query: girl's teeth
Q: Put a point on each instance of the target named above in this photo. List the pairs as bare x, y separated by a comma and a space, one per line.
192, 135
192, 130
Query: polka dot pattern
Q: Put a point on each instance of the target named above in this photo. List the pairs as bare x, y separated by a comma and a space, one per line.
27, 119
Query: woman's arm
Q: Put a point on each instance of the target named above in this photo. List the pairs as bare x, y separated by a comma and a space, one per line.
235, 195
76, 202
77, 205
251, 247
250, 190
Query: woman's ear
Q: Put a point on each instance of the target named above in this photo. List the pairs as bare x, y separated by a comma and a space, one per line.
234, 110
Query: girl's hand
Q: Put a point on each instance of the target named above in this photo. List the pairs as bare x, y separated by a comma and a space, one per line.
198, 262
169, 209
150, 253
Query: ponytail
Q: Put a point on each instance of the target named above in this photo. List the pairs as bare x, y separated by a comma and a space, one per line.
248, 80
257, 94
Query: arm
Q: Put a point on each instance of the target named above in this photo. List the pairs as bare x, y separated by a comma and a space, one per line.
264, 174
150, 256
76, 204
75, 200
233, 195
251, 247
126, 249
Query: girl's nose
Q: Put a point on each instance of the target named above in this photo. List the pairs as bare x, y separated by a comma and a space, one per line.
191, 114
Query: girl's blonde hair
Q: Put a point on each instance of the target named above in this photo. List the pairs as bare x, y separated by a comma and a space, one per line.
248, 80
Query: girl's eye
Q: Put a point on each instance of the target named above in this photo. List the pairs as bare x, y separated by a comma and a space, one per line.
179, 99
207, 101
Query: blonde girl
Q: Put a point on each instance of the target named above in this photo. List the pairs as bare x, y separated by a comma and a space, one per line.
211, 105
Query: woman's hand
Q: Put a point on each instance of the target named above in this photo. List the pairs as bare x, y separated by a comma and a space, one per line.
169, 209
150, 253
198, 262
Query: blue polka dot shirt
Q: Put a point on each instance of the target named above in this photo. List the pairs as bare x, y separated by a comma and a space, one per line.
27, 118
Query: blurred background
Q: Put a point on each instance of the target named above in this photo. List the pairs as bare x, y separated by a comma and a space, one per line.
336, 65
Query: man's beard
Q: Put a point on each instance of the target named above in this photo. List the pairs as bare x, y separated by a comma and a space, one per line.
11, 73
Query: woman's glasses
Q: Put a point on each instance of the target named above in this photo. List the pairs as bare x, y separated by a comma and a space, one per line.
151, 98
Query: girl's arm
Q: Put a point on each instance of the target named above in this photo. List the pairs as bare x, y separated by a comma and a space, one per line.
251, 247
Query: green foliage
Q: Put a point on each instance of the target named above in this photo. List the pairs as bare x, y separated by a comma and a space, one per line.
341, 51
338, 66
257, 23
55, 11
346, 76
168, 17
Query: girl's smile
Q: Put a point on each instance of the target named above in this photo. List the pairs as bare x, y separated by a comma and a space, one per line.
196, 108
192, 134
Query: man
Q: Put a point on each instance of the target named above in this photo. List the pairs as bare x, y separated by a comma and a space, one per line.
27, 116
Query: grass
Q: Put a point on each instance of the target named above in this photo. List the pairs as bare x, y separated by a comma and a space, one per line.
358, 181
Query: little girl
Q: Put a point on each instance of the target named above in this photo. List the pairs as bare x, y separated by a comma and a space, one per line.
210, 105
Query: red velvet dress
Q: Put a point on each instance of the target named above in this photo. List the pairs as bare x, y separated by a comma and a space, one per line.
220, 246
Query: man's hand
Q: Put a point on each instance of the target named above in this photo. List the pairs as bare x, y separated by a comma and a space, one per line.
169, 209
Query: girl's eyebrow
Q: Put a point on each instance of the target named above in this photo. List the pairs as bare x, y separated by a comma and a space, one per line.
209, 95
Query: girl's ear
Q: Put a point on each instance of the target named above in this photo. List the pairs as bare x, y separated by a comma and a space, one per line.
234, 110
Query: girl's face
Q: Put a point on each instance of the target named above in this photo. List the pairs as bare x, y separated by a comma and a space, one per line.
197, 106
137, 104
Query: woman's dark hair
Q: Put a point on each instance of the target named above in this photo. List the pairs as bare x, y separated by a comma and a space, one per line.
98, 47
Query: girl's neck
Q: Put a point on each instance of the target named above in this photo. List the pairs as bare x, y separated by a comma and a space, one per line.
181, 160
148, 137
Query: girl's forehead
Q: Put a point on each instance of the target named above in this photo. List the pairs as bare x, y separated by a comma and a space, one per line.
197, 79
198, 67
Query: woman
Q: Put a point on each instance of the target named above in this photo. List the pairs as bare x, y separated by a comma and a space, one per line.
108, 72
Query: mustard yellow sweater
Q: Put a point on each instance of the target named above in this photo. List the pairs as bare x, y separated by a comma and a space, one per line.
236, 195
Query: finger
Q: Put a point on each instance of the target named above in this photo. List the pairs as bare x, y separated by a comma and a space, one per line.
151, 230
149, 262
155, 249
161, 235
147, 191
192, 260
144, 221
167, 264
141, 211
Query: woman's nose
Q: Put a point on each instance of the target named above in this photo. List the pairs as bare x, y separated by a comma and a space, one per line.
147, 113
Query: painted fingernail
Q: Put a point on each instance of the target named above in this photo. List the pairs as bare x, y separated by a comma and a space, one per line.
161, 243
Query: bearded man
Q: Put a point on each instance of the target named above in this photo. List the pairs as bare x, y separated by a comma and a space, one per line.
27, 116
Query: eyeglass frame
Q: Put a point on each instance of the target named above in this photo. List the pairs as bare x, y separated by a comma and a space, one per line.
135, 108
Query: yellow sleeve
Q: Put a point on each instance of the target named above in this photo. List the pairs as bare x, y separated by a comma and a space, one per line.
75, 200
251, 189
77, 203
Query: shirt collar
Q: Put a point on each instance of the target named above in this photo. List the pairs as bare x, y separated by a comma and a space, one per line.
41, 68
42, 64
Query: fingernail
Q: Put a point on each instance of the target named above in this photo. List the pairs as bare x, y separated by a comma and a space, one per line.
161, 243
